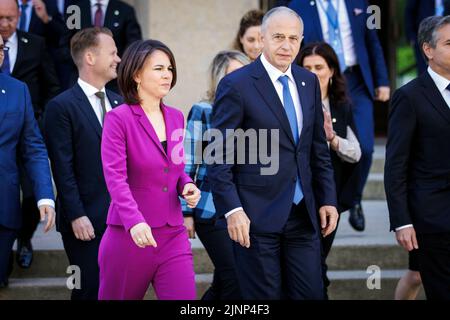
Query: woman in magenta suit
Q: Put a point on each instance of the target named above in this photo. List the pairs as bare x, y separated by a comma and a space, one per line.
145, 241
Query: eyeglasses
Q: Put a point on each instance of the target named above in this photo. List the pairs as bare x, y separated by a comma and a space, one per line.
3, 48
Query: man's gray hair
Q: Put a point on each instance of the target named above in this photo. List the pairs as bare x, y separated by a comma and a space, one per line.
428, 31
272, 12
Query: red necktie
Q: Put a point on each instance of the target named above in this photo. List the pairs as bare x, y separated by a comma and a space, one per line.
98, 19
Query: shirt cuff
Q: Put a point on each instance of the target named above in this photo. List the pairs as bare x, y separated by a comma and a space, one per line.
229, 213
404, 227
46, 202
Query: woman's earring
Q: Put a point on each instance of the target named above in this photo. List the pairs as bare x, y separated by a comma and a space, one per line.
138, 86
331, 81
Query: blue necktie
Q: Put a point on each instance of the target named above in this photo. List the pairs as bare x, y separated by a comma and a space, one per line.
334, 33
289, 107
23, 17
439, 11
5, 65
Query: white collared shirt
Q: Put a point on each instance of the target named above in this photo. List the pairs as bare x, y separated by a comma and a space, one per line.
442, 84
274, 75
12, 44
345, 28
104, 4
90, 91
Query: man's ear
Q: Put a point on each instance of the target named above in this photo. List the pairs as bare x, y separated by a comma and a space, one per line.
427, 50
90, 57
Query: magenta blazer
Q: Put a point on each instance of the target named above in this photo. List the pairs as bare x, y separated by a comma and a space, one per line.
144, 182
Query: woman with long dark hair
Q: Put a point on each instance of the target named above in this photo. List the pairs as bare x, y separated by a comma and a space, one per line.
340, 130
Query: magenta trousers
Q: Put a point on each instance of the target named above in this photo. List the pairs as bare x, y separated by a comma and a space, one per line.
126, 271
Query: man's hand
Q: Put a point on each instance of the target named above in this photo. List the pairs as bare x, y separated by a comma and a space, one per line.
142, 235
239, 228
189, 224
83, 229
41, 11
382, 93
191, 194
407, 238
328, 219
48, 211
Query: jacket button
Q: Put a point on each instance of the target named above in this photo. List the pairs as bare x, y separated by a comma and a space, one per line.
165, 189
166, 170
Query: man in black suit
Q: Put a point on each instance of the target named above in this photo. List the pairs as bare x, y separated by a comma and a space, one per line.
417, 171
27, 60
115, 15
73, 126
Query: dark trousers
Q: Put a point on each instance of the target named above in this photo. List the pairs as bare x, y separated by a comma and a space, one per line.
219, 246
7, 238
84, 254
434, 258
362, 104
30, 211
282, 265
327, 243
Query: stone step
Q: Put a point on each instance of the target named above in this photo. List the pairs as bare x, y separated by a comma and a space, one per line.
54, 263
374, 189
377, 165
345, 285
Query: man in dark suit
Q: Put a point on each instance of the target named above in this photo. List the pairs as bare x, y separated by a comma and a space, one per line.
27, 60
417, 170
19, 138
273, 217
73, 127
115, 15
415, 12
343, 24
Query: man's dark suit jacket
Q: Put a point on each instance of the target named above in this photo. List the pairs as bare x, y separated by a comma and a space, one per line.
120, 18
34, 67
73, 135
247, 99
417, 170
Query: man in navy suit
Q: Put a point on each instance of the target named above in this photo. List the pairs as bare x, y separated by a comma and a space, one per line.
73, 129
417, 170
276, 220
19, 137
343, 24
415, 12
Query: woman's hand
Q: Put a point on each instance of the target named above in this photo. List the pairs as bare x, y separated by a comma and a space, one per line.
191, 194
189, 224
328, 126
142, 235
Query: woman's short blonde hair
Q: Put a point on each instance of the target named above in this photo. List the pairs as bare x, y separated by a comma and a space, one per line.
219, 68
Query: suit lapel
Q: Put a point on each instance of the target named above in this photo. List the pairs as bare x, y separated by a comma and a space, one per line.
148, 128
431, 92
265, 87
303, 88
86, 109
3, 98
22, 51
314, 13
113, 101
111, 12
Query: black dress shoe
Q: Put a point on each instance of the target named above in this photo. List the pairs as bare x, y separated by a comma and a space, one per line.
24, 253
356, 218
